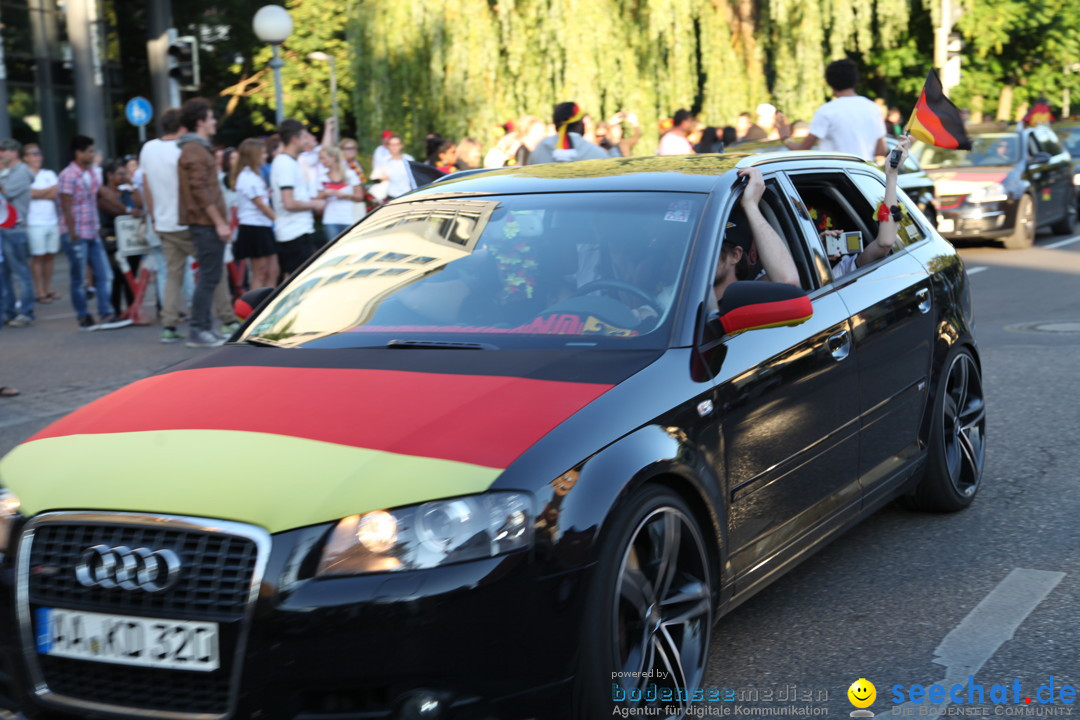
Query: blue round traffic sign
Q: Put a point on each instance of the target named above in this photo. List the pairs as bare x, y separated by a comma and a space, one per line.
139, 111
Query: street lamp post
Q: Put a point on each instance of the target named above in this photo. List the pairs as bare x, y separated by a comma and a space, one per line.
274, 25
333, 88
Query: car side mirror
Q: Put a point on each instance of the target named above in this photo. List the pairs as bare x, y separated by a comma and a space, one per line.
752, 305
245, 305
1039, 158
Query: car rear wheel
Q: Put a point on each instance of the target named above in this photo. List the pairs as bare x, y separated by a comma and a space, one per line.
1067, 224
957, 449
1023, 235
649, 614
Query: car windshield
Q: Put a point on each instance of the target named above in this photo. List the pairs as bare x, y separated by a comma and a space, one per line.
520, 271
986, 151
1070, 138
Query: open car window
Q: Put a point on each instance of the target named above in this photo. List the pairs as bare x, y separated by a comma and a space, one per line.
908, 231
521, 271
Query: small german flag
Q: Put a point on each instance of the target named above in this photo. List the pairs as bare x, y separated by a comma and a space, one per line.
935, 120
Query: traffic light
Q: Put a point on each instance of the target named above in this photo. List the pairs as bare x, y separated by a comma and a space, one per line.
184, 62
950, 76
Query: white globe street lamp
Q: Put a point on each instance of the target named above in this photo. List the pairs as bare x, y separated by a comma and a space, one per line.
273, 25
323, 57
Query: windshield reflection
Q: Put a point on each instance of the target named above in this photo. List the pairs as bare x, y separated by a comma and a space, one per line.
524, 271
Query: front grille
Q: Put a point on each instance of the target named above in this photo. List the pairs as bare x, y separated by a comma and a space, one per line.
214, 582
950, 201
219, 566
144, 688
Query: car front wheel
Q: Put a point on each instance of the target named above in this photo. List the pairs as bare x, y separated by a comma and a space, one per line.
650, 611
1023, 234
957, 449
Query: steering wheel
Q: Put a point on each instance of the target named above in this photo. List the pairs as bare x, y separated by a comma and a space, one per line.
621, 286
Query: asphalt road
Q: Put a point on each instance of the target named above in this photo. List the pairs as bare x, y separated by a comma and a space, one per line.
878, 603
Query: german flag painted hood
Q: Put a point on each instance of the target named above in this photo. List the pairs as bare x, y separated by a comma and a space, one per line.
287, 438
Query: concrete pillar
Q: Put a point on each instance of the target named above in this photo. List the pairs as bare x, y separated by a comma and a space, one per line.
85, 34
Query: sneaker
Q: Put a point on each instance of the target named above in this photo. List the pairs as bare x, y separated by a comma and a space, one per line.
113, 321
204, 338
229, 328
88, 324
170, 335
20, 321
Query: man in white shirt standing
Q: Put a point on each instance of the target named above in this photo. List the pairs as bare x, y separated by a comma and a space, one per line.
294, 208
674, 141
847, 123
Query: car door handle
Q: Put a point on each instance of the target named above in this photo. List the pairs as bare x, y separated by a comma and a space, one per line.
923, 296
840, 345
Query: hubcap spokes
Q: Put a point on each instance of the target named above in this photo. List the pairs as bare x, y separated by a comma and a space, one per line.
663, 612
964, 419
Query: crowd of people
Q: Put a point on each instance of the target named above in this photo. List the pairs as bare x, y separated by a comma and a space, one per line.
219, 220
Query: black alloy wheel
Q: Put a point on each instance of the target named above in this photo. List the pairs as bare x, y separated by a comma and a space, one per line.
1023, 234
650, 611
957, 450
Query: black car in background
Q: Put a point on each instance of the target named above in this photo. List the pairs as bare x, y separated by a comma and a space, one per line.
912, 179
1069, 133
495, 452
1014, 180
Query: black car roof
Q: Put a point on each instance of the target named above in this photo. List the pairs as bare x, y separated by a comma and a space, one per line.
678, 173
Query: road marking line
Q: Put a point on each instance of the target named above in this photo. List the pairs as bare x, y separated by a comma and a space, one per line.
972, 271
986, 628
1062, 243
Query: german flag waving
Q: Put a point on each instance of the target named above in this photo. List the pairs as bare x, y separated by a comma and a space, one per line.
935, 120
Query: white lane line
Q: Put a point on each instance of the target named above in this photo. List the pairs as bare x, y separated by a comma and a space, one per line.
991, 624
1062, 243
972, 271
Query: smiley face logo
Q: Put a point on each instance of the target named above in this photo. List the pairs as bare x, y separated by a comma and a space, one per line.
862, 693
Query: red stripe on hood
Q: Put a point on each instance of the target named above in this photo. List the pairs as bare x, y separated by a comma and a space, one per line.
484, 420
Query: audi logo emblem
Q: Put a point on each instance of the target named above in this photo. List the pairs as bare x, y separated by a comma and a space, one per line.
121, 567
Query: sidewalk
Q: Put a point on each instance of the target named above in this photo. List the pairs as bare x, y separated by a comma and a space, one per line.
59, 368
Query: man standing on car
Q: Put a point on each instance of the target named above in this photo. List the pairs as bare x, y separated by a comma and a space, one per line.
847, 123
202, 209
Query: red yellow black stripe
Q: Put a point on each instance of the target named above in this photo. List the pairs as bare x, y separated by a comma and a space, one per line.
936, 120
478, 419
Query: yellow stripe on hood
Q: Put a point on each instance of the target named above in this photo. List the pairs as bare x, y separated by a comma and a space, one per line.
273, 481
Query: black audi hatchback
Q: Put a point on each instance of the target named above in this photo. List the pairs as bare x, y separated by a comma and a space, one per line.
496, 452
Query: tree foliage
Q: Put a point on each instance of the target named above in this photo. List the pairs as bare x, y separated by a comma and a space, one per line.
463, 67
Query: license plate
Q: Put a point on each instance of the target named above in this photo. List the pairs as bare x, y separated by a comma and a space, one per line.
946, 225
127, 640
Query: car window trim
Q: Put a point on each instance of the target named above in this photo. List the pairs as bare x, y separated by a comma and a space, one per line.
911, 205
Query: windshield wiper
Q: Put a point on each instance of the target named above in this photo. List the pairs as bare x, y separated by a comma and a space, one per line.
438, 345
259, 342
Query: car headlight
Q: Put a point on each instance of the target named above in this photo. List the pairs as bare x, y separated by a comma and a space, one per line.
1076, 179
428, 535
9, 513
994, 192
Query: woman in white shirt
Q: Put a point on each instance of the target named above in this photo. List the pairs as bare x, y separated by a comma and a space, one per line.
42, 224
255, 236
340, 187
395, 169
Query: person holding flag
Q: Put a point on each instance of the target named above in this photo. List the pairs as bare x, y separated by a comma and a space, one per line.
568, 144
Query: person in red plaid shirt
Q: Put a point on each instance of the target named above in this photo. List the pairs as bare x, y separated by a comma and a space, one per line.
79, 234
